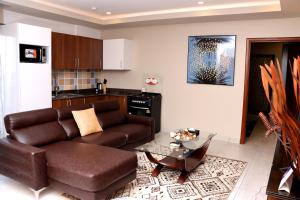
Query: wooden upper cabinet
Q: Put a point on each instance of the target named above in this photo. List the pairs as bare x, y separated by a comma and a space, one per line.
76, 52
83, 52
64, 51
89, 53
97, 54
69, 52
57, 50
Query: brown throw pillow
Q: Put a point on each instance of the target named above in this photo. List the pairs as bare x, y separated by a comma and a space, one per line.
87, 121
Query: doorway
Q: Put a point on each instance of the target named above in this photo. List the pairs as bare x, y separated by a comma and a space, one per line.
261, 51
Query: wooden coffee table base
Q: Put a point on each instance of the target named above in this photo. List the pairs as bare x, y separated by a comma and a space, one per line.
185, 165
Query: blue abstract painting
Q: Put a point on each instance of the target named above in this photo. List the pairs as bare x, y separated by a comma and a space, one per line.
211, 59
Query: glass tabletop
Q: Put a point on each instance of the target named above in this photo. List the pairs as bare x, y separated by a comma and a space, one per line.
161, 145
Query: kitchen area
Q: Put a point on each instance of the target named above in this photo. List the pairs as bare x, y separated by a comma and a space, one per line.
64, 70
77, 63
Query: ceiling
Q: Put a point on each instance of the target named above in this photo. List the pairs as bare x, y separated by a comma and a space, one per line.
129, 12
118, 7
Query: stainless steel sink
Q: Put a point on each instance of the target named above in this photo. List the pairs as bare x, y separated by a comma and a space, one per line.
68, 95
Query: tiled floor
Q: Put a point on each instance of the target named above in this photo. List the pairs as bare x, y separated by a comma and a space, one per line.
258, 152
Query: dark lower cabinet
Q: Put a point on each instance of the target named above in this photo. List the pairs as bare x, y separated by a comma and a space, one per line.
61, 103
122, 101
89, 100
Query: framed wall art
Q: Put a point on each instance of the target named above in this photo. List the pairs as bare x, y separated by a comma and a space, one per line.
211, 59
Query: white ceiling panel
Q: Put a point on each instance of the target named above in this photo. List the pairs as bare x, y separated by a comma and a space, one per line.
153, 11
134, 6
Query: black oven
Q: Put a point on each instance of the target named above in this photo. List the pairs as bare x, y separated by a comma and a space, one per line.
138, 110
32, 54
146, 104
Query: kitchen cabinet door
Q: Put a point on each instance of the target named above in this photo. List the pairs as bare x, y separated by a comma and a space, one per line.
96, 54
117, 54
57, 50
89, 53
76, 52
84, 52
60, 103
69, 52
93, 99
122, 101
77, 101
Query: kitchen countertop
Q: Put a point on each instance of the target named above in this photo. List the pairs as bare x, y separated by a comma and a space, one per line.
68, 94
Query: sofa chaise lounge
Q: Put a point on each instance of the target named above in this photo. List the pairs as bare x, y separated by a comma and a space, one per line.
44, 148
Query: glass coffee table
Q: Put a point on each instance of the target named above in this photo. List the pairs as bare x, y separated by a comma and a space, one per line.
184, 158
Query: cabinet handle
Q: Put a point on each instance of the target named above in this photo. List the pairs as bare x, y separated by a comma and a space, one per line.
75, 62
78, 62
84, 100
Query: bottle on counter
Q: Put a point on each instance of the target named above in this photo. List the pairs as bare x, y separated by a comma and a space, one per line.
104, 86
99, 88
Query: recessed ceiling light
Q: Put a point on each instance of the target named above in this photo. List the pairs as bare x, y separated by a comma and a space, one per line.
108, 13
200, 2
94, 8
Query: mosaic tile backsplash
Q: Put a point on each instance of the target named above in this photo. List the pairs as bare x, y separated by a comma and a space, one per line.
73, 79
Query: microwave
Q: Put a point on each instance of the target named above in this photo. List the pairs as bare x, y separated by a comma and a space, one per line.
33, 54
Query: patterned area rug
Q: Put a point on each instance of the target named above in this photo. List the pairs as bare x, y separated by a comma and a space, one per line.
213, 180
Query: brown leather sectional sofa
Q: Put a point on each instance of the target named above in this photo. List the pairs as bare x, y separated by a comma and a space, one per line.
44, 148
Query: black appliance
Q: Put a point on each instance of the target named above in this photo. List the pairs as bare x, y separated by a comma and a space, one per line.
99, 88
146, 104
32, 54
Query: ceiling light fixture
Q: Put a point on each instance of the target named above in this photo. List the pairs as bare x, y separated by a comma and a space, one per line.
200, 2
108, 13
94, 8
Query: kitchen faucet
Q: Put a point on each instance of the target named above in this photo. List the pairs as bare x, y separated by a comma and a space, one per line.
56, 88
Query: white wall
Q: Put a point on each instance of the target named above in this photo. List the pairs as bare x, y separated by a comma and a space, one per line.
1, 15
163, 50
56, 26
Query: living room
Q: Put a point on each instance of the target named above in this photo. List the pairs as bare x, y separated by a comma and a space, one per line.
161, 49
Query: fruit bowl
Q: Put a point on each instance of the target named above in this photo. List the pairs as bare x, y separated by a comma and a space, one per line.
185, 135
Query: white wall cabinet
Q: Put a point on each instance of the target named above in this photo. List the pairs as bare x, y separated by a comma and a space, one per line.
117, 54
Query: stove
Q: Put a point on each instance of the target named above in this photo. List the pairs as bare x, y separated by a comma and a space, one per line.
146, 104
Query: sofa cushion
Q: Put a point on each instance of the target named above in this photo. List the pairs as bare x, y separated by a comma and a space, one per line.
133, 132
87, 121
87, 166
111, 118
37, 127
105, 106
108, 113
107, 138
66, 119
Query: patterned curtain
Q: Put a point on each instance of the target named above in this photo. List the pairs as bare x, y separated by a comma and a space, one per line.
2, 130
8, 79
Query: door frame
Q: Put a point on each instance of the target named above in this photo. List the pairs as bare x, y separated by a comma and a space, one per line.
249, 42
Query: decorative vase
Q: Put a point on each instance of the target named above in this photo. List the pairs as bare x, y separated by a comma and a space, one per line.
281, 119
